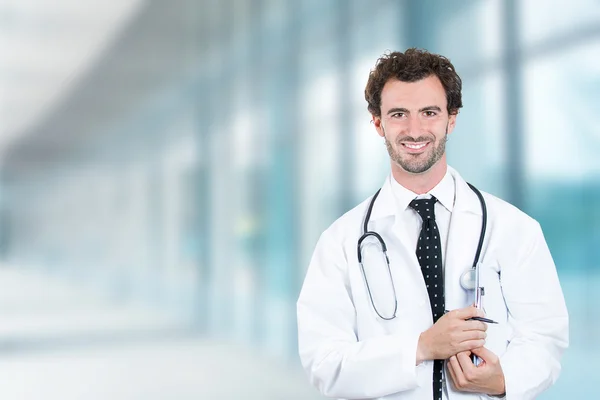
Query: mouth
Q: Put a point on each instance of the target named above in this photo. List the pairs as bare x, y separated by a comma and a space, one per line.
415, 147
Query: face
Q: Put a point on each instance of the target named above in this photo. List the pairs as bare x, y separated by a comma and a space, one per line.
415, 123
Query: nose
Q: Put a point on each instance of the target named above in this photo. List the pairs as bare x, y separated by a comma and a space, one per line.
414, 126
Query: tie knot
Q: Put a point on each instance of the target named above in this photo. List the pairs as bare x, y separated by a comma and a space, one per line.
424, 207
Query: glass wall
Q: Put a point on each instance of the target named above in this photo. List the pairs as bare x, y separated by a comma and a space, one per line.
194, 165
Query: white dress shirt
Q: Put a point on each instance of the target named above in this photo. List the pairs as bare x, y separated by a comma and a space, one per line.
411, 221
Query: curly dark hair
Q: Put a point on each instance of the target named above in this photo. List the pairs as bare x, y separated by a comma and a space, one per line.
411, 66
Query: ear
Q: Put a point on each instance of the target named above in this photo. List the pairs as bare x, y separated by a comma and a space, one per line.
377, 124
451, 122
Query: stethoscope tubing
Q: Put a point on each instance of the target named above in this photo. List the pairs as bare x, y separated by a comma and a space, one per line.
367, 233
483, 224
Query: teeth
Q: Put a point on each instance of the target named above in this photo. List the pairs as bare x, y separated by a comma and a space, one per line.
415, 146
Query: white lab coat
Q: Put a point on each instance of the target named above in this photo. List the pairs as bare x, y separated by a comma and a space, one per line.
349, 352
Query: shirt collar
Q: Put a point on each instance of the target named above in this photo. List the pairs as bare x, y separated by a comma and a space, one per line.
443, 191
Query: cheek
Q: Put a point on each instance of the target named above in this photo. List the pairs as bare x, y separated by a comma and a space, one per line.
438, 129
435, 125
394, 130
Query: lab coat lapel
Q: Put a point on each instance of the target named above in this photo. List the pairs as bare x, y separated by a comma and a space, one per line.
385, 219
463, 237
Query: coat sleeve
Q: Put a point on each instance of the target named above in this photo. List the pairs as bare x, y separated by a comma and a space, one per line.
336, 361
538, 317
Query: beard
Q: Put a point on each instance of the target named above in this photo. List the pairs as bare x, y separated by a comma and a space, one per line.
416, 164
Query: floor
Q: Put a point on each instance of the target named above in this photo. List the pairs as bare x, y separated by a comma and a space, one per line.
62, 342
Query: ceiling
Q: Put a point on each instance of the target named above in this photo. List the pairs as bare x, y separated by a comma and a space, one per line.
45, 50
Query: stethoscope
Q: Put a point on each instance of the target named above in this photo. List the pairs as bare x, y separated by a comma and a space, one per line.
469, 280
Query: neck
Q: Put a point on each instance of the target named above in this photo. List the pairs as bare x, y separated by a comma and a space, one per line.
420, 183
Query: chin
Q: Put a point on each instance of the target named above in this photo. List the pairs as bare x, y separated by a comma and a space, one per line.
416, 170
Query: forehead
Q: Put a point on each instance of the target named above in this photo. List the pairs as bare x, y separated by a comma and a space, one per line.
426, 92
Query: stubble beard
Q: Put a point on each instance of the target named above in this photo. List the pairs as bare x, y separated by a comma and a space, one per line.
414, 164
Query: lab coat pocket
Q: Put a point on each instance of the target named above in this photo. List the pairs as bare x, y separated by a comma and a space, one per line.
494, 306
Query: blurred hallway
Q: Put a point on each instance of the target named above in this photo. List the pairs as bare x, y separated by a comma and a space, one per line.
58, 341
166, 169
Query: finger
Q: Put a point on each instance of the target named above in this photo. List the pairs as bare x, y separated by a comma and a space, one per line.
485, 354
452, 373
469, 345
474, 326
466, 365
464, 360
472, 335
464, 313
459, 377
468, 312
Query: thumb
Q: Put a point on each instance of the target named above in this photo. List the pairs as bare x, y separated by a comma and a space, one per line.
468, 312
484, 353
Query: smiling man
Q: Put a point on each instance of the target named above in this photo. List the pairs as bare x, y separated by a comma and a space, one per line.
387, 306
416, 134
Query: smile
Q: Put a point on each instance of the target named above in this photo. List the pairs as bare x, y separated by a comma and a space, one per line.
415, 146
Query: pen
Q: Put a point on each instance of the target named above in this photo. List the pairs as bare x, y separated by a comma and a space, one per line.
489, 321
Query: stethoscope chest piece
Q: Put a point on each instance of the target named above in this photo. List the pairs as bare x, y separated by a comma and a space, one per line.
468, 279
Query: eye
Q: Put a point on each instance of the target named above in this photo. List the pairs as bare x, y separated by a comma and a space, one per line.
430, 113
397, 115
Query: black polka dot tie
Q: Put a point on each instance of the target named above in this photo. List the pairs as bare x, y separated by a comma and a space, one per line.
429, 254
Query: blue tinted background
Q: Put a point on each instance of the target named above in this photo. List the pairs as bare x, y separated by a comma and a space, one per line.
167, 168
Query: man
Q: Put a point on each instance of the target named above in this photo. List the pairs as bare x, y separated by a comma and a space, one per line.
367, 330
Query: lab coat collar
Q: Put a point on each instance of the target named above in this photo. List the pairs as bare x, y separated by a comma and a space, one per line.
465, 199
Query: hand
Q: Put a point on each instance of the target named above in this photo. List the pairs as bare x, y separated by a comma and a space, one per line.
452, 334
486, 378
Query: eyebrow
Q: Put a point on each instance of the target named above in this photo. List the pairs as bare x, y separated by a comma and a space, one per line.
404, 110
